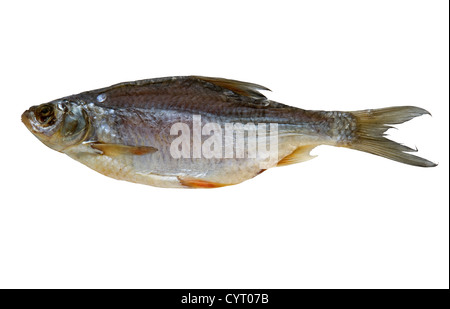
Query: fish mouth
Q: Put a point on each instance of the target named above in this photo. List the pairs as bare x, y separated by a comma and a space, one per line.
27, 117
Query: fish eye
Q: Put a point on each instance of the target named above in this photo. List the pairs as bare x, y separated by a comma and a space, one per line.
45, 111
45, 114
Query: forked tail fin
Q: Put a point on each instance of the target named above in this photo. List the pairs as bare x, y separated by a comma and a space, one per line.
371, 126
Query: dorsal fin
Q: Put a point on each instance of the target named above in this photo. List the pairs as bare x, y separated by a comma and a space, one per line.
243, 88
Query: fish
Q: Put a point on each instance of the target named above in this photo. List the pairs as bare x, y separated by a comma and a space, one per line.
204, 132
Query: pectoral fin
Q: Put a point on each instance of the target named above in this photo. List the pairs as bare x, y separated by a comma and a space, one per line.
112, 150
301, 154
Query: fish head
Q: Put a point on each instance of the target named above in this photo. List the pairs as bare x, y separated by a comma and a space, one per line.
58, 124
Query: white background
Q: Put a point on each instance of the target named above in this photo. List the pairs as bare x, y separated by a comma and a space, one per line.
343, 220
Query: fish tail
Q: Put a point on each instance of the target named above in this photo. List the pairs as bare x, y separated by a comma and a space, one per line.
366, 132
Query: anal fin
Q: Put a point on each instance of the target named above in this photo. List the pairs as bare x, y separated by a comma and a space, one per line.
300, 154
